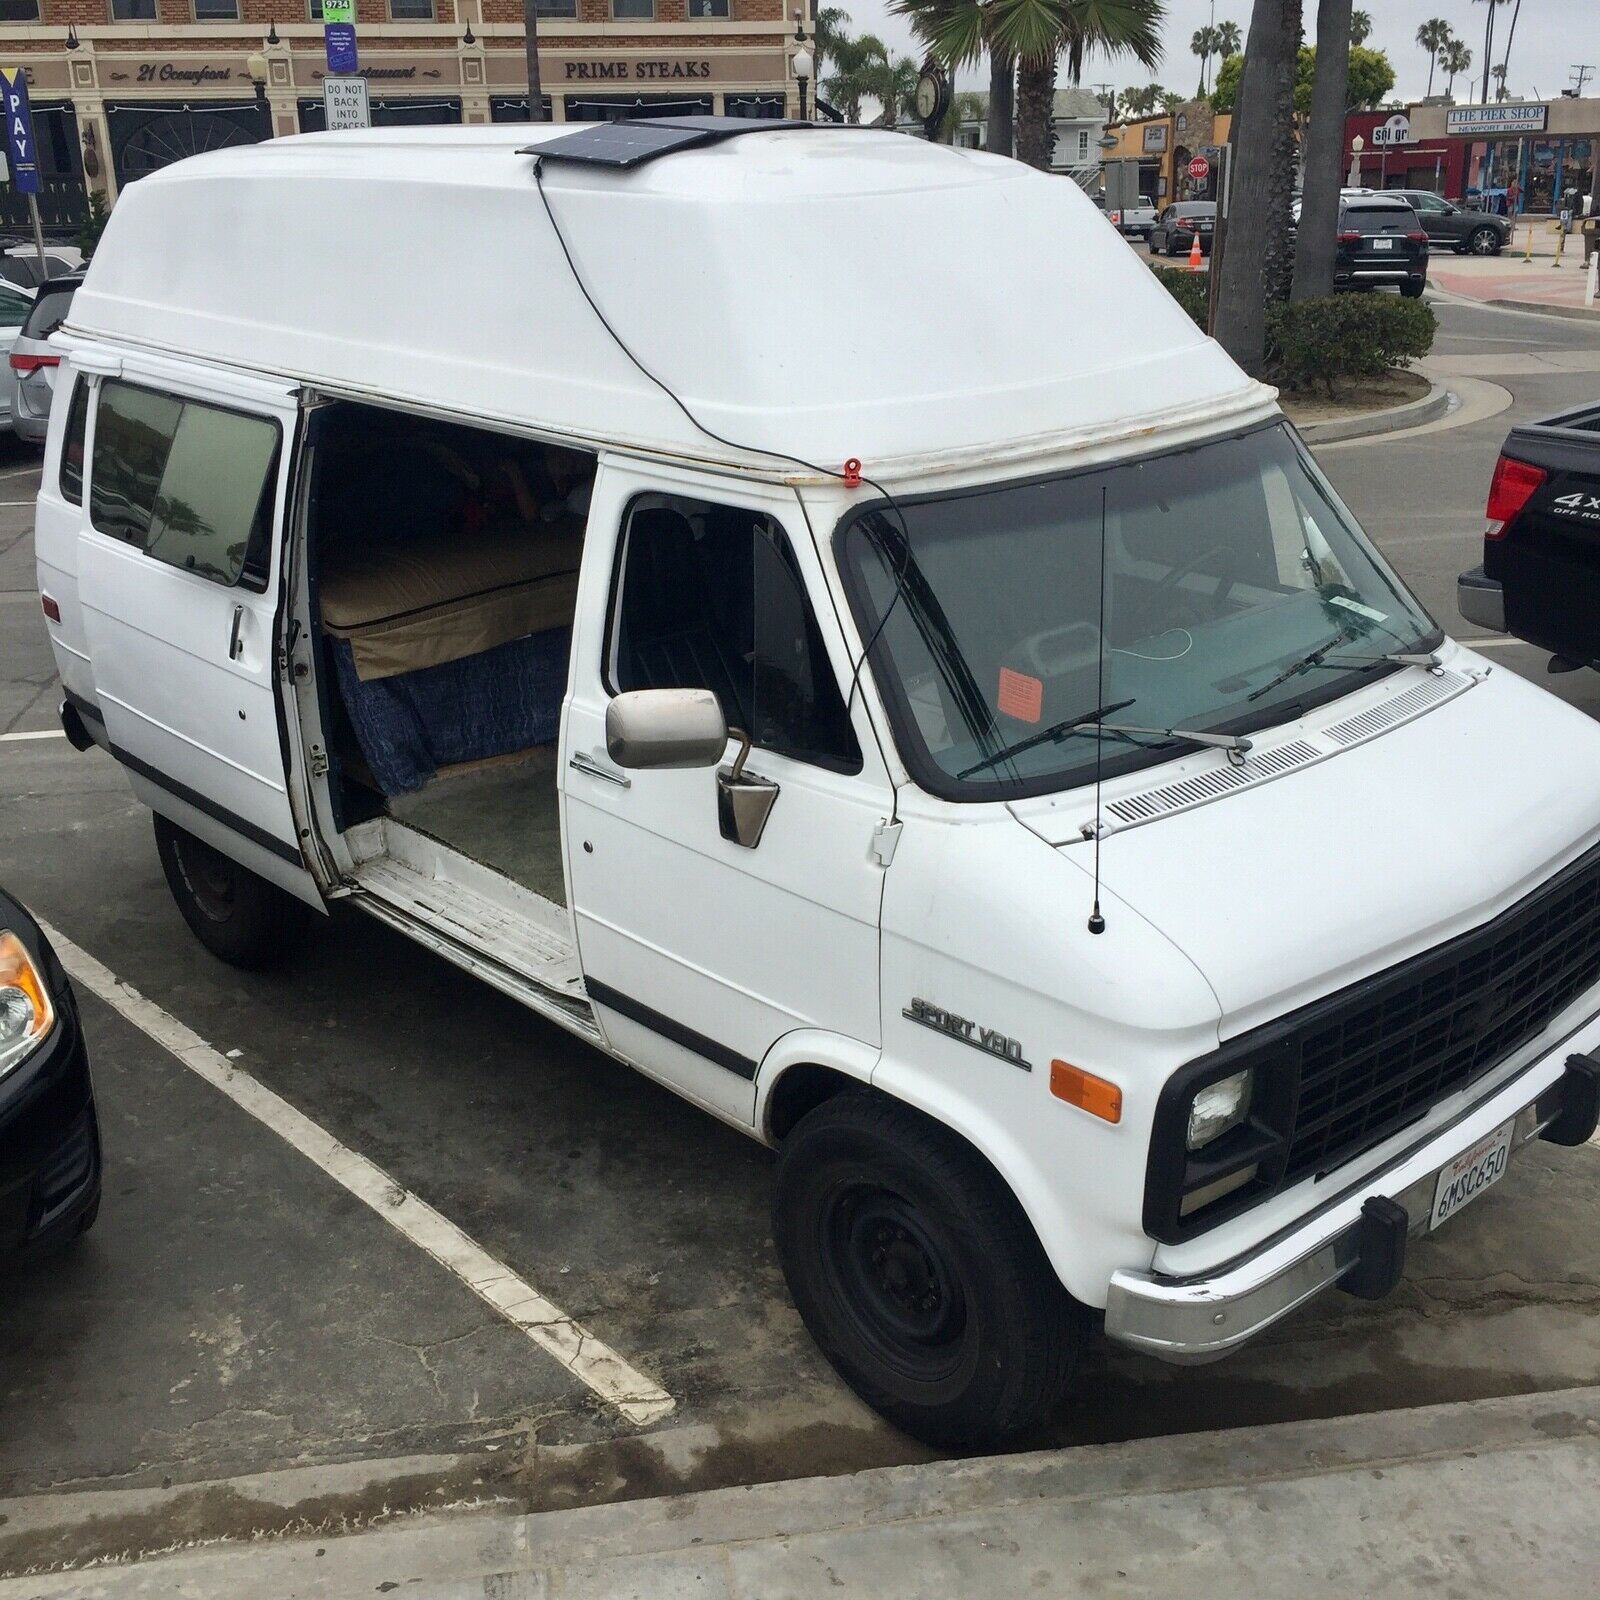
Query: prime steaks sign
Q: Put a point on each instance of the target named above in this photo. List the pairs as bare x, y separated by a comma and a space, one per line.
635, 71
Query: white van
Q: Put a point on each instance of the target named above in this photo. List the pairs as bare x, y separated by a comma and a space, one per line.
723, 586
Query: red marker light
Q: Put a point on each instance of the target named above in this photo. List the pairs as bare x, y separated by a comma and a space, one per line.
852, 473
27, 364
51, 609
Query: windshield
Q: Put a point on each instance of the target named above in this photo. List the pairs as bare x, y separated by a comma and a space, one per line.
1226, 566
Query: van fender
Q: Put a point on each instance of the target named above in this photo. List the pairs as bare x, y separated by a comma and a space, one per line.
1083, 1257
808, 1048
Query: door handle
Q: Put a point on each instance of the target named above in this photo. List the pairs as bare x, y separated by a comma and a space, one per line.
234, 642
592, 768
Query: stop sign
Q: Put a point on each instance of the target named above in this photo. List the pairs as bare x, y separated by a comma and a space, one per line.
1199, 168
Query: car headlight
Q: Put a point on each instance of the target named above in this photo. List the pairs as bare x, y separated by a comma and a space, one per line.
1219, 1107
27, 1013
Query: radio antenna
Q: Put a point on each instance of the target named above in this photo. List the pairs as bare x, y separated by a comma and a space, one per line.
1097, 923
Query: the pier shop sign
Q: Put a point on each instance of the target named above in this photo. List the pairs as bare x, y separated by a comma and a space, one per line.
1497, 119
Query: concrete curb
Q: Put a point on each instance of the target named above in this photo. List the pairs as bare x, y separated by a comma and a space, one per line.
1498, 1490
1393, 419
1575, 313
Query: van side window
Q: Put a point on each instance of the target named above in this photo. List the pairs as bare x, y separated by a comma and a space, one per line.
709, 597
72, 446
189, 484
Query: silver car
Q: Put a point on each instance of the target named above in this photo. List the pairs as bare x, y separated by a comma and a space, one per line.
15, 304
33, 359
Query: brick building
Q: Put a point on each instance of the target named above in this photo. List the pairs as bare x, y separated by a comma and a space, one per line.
121, 87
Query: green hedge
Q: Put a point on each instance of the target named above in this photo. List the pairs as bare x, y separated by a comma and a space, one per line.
1321, 342
1192, 290
1324, 342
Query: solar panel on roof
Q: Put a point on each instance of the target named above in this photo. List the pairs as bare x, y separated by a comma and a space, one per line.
636, 140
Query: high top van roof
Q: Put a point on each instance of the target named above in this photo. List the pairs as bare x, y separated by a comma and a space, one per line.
819, 292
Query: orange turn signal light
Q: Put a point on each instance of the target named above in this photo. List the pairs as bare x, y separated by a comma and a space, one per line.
1089, 1093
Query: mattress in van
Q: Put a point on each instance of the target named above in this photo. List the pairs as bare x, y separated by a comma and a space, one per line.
424, 602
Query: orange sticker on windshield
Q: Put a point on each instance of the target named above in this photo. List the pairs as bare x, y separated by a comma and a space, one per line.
1020, 696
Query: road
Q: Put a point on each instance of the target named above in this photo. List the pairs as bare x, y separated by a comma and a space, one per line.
237, 1312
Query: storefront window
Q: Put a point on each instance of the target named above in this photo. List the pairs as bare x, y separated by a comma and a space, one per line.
1577, 172
1539, 187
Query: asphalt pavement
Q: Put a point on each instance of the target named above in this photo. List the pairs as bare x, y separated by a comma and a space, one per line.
235, 1313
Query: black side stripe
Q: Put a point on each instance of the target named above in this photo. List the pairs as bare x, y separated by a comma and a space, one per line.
604, 995
246, 830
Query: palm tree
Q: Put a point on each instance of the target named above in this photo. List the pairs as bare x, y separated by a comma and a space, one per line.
1203, 43
1142, 102
1360, 27
1511, 33
893, 84
1488, 41
858, 67
1433, 36
1037, 32
1253, 267
1229, 40
958, 33
828, 33
1315, 240
530, 54
1454, 57
1499, 76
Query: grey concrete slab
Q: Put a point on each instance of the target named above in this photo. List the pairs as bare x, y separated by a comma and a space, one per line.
1491, 1499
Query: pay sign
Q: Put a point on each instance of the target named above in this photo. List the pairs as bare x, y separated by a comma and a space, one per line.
19, 129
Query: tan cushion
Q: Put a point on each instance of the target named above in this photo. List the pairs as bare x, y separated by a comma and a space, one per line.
425, 602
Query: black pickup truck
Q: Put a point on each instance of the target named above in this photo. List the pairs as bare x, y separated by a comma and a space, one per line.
1540, 578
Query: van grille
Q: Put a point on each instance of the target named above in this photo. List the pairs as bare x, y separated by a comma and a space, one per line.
1405, 1041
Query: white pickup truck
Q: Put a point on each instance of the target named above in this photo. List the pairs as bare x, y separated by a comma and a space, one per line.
1136, 221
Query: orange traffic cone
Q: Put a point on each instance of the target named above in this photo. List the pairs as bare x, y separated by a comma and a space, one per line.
1195, 262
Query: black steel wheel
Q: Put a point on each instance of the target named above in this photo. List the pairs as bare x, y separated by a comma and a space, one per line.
237, 916
918, 1275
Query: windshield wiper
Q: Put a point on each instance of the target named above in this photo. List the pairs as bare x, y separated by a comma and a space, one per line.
1316, 658
1056, 730
1231, 742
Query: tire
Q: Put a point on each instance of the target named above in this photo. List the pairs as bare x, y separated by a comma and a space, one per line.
1412, 288
916, 1272
1150, 244
238, 917
1484, 242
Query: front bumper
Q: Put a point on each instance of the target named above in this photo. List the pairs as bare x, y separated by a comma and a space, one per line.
1359, 1240
1481, 600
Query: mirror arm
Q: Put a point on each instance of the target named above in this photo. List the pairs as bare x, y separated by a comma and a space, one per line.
739, 760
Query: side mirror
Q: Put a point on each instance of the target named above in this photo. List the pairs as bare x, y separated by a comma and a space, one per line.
670, 728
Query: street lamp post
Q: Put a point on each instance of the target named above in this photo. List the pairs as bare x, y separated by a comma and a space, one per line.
804, 63
1357, 145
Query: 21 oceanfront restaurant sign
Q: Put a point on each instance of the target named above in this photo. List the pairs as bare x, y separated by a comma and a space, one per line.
1497, 119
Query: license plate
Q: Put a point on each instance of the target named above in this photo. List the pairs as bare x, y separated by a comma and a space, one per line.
1471, 1173
1383, 244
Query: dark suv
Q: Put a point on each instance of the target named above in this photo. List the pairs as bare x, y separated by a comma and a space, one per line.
1452, 227
1381, 241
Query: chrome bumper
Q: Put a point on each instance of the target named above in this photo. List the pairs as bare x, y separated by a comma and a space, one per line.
1357, 1242
1481, 600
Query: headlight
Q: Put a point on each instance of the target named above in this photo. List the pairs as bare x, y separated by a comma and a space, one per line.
1218, 1107
27, 1013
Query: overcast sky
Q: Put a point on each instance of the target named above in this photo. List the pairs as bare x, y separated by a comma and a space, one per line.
1551, 36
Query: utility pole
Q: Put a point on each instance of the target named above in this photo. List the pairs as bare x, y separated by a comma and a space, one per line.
530, 27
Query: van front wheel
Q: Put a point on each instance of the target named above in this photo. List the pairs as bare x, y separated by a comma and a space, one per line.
917, 1274
237, 916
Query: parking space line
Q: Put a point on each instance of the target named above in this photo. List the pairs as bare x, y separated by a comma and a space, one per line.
42, 733
590, 1361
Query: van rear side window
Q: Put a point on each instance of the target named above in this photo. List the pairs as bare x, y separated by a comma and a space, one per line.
189, 484
72, 446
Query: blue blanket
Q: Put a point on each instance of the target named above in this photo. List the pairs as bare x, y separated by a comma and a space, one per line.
491, 704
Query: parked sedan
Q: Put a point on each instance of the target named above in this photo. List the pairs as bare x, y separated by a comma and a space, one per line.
34, 360
49, 1133
1452, 227
1177, 227
1381, 242
15, 304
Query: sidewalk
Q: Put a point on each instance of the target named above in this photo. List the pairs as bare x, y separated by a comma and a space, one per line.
1511, 279
1496, 1498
